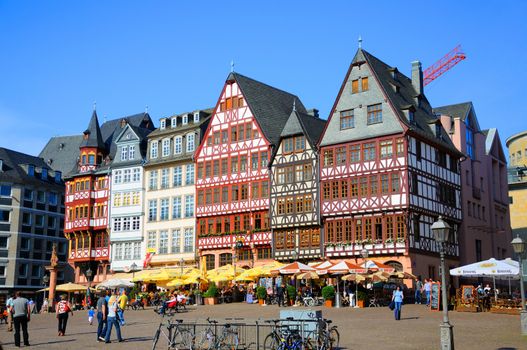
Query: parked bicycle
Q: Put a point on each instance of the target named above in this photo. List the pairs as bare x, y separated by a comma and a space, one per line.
176, 336
208, 339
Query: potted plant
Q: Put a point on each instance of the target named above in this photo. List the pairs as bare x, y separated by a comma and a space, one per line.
210, 296
328, 293
362, 297
291, 294
261, 294
198, 297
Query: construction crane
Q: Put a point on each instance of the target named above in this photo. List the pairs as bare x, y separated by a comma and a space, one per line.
443, 65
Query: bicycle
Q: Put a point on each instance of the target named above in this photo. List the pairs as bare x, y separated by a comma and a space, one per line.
329, 337
177, 337
209, 340
285, 338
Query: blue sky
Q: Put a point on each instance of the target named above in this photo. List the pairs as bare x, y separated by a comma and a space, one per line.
58, 57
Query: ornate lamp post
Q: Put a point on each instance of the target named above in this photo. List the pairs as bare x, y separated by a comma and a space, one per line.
133, 267
441, 231
45, 279
89, 273
518, 245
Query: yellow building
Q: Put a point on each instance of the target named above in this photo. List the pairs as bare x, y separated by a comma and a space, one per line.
517, 173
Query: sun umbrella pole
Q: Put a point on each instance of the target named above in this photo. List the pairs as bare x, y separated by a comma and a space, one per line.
337, 298
356, 290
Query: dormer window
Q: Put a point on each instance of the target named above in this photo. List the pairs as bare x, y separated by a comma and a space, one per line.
1, 165
124, 153
31, 170
162, 124
438, 131
196, 117
58, 176
411, 116
44, 174
91, 159
173, 122
185, 119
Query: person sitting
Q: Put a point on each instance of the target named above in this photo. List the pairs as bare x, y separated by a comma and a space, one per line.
181, 300
169, 304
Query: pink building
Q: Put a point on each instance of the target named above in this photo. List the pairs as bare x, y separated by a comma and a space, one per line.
485, 231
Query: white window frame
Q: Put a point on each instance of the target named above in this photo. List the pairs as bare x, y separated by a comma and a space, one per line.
165, 178
136, 250
152, 181
177, 177
152, 240
164, 208
184, 119
152, 210
173, 122
175, 238
177, 207
127, 176
163, 242
118, 178
178, 145
189, 206
196, 117
136, 174
131, 152
124, 152
153, 149
189, 174
166, 147
188, 240
191, 142
162, 124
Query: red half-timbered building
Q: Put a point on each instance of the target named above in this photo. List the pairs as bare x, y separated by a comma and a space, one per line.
388, 170
87, 195
232, 182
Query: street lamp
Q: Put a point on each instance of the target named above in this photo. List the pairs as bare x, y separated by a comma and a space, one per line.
294, 255
518, 245
364, 253
45, 279
133, 267
441, 231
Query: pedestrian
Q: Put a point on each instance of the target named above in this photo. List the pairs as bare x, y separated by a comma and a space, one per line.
63, 311
112, 320
397, 298
427, 288
9, 305
280, 294
123, 302
91, 313
418, 289
31, 305
21, 316
102, 313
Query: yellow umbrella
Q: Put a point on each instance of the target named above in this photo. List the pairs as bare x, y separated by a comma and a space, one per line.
311, 275
403, 275
354, 277
158, 275
176, 282
194, 280
245, 276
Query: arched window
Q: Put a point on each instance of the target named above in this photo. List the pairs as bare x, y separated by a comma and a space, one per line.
396, 265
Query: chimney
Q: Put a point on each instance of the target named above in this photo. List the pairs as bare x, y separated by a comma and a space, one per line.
313, 112
417, 77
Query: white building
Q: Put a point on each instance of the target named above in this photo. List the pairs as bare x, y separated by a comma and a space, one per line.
127, 199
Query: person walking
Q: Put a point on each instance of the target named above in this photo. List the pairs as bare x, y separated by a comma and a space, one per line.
123, 302
102, 313
91, 313
63, 310
112, 320
9, 305
427, 288
280, 294
21, 316
418, 290
397, 298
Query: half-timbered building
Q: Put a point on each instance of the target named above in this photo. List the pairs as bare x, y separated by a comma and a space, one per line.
87, 197
295, 204
388, 170
232, 182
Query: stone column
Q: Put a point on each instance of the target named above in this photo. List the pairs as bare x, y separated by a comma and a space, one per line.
53, 270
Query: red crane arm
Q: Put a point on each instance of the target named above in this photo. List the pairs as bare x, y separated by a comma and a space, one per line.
443, 65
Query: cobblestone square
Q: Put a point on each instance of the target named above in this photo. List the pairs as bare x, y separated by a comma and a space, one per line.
369, 328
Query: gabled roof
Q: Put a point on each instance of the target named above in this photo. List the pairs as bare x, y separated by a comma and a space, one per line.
459, 110
13, 171
92, 135
492, 139
270, 106
62, 152
402, 95
303, 124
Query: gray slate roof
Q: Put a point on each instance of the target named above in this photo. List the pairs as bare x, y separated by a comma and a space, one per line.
92, 135
404, 98
304, 124
13, 171
458, 110
62, 152
65, 159
270, 106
